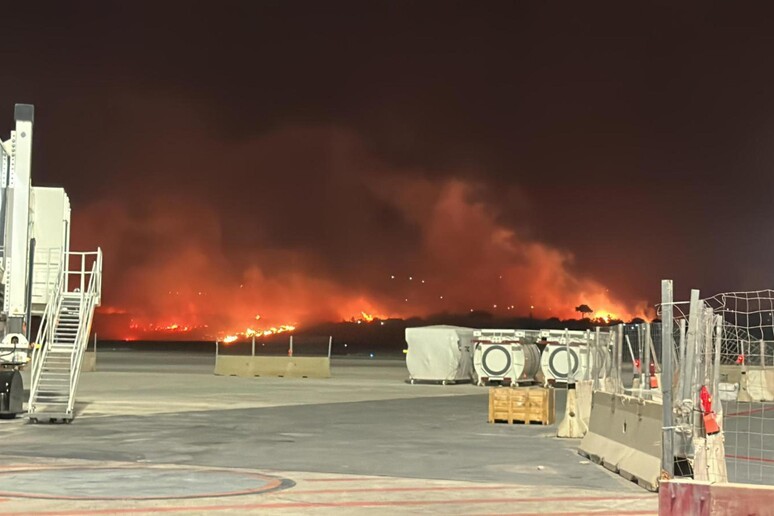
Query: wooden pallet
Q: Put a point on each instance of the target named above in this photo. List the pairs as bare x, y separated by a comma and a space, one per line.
526, 405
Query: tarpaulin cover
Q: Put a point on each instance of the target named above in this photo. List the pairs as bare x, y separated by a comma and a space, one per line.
439, 353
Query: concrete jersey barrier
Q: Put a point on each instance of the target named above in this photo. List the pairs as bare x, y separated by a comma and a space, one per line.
625, 436
292, 367
89, 362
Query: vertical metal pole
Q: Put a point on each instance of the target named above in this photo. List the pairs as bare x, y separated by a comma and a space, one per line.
216, 350
252, 353
330, 345
290, 349
653, 354
95, 343
83, 275
16, 245
567, 351
587, 370
689, 367
680, 362
667, 344
596, 356
619, 359
28, 301
636, 371
646, 346
709, 329
693, 369
682, 341
763, 354
716, 405
5, 170
640, 340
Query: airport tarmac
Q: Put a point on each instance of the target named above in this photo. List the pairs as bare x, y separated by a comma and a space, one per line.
158, 432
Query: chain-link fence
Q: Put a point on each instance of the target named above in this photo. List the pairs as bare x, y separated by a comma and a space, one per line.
723, 386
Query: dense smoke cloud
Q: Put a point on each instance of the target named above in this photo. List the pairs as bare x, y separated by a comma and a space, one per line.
581, 153
304, 224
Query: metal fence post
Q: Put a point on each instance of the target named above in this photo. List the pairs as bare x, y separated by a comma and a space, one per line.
717, 406
569, 363
619, 389
689, 373
688, 368
252, 352
646, 347
597, 354
681, 357
330, 345
667, 375
290, 348
640, 340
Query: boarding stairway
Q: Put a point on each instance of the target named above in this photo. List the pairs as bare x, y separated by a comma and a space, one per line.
62, 338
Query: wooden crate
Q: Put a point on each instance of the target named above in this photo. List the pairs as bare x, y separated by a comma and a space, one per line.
521, 405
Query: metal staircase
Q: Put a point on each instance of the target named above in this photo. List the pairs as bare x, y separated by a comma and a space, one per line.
62, 338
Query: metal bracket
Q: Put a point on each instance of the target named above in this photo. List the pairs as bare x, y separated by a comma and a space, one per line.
7, 146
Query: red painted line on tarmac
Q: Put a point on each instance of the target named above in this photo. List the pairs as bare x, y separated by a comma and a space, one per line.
399, 489
752, 459
315, 505
576, 513
353, 479
749, 412
272, 484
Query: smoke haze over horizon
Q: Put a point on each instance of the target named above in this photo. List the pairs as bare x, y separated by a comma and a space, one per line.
306, 162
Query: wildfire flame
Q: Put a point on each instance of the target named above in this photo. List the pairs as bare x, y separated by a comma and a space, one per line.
226, 336
367, 317
605, 315
250, 332
164, 328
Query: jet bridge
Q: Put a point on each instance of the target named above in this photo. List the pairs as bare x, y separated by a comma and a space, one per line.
40, 277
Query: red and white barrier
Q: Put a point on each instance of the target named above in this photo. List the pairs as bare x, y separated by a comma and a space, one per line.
680, 497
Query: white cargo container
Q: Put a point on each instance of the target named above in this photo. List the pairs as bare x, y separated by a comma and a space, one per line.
504, 357
439, 354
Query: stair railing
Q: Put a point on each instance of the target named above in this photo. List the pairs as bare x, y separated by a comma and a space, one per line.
45, 336
89, 300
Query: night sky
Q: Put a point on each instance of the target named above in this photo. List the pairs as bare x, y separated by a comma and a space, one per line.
287, 159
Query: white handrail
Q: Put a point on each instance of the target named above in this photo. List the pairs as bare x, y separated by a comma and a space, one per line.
45, 335
88, 302
89, 297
